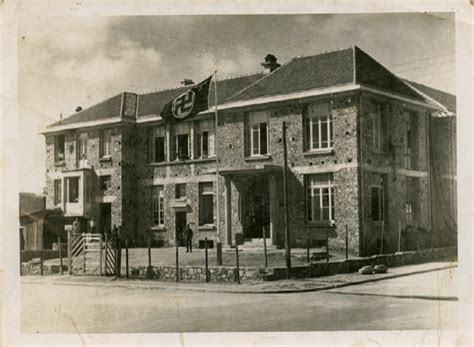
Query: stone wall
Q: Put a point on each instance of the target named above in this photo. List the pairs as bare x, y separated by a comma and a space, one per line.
198, 274
353, 265
444, 183
389, 164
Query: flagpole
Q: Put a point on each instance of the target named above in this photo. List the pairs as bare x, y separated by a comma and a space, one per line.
218, 229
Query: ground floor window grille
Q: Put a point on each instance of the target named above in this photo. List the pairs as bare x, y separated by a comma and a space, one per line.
320, 198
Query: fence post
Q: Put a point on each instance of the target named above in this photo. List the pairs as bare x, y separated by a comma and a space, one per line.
60, 256
106, 255
41, 259
69, 263
381, 238
327, 244
347, 242
118, 256
207, 263
265, 247
100, 255
149, 258
399, 235
219, 253
126, 258
307, 245
237, 258
84, 250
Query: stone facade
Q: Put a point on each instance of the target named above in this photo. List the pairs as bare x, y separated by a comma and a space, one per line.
355, 166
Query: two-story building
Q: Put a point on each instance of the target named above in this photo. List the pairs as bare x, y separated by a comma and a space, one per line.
358, 148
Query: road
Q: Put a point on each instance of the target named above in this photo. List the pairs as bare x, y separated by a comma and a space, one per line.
50, 308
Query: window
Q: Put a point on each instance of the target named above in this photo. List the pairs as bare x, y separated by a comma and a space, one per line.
88, 188
379, 117
319, 127
206, 204
258, 133
205, 139
158, 206
57, 192
320, 198
105, 182
410, 140
180, 191
59, 148
180, 141
72, 185
82, 146
158, 143
377, 201
105, 143
410, 204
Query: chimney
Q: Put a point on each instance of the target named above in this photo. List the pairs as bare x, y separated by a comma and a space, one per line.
187, 82
270, 63
78, 109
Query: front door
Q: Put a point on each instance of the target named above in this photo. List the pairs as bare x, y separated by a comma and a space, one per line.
259, 209
180, 222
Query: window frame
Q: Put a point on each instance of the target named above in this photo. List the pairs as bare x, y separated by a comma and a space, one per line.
105, 151
82, 145
158, 132
256, 120
57, 187
56, 148
380, 203
178, 191
202, 194
158, 203
103, 179
68, 189
325, 125
377, 129
411, 187
315, 187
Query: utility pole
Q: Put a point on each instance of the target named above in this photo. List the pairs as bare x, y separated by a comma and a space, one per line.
285, 203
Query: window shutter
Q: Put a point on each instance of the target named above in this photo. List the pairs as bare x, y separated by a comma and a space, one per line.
305, 125
173, 147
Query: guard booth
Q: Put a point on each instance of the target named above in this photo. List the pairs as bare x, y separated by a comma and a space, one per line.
90, 254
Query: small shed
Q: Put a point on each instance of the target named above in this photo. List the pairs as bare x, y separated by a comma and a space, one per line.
41, 228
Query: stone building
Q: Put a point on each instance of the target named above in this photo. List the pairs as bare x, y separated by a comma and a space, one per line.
358, 147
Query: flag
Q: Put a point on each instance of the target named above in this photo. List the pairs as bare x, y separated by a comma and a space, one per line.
189, 103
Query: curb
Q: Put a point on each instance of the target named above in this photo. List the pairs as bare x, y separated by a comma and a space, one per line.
244, 291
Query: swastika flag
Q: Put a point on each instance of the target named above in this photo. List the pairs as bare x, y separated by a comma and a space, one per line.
189, 103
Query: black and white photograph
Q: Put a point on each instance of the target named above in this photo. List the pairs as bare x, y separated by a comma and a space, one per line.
184, 174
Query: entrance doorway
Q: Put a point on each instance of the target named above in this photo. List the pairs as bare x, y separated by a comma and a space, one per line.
258, 197
105, 218
180, 223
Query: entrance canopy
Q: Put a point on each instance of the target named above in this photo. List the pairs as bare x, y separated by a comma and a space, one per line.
241, 171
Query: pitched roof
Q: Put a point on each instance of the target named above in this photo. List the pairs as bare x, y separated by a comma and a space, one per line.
152, 103
106, 109
350, 65
445, 99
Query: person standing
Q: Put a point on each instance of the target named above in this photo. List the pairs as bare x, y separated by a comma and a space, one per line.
76, 227
92, 226
188, 237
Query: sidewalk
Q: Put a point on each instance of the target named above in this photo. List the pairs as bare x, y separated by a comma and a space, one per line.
282, 286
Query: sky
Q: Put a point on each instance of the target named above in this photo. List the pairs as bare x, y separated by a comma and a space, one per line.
68, 62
